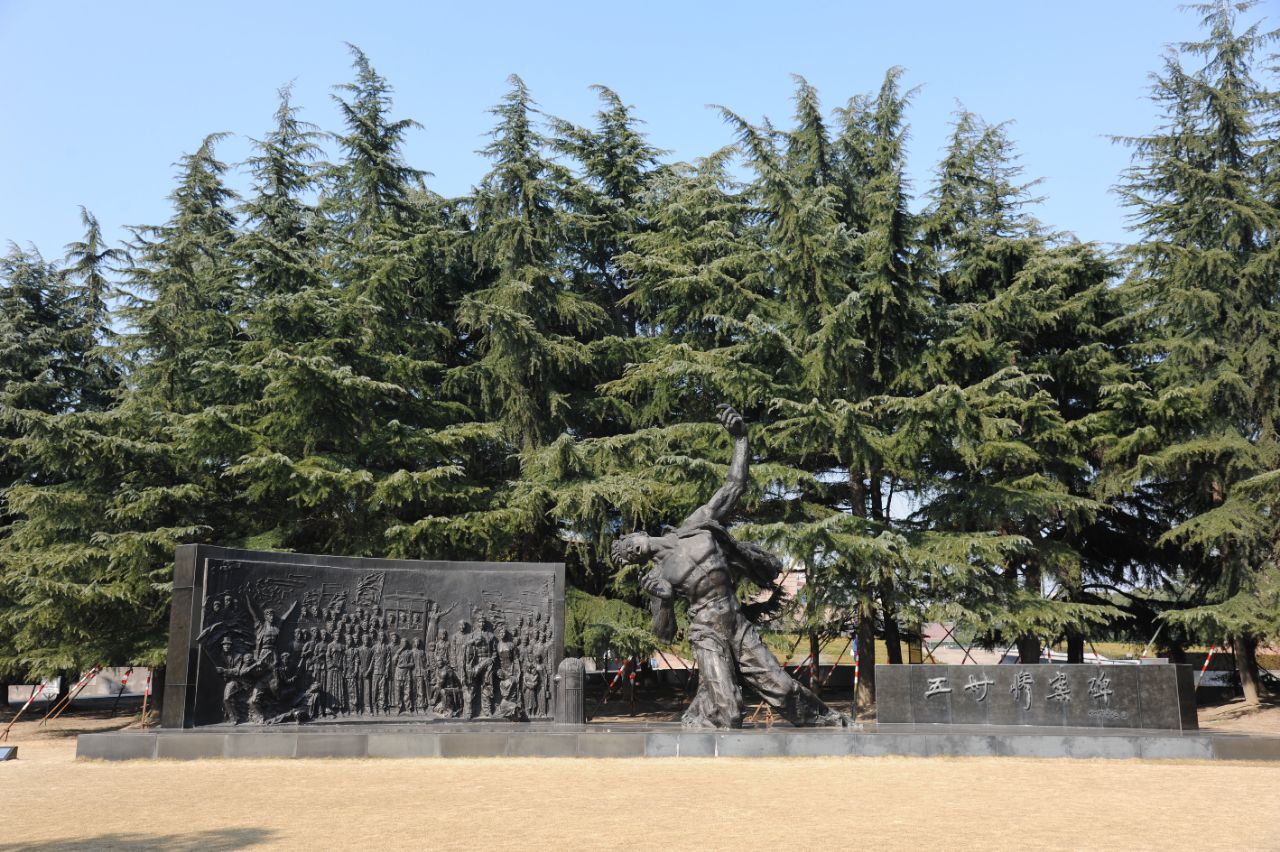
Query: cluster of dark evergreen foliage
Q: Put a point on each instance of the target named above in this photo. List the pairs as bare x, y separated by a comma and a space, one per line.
959, 414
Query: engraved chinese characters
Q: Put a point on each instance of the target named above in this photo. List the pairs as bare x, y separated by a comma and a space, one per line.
1021, 688
1061, 695
296, 643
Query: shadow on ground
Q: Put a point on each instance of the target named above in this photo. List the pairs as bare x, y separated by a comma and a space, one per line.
221, 838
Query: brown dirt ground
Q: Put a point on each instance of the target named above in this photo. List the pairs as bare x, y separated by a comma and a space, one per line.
48, 800
1235, 716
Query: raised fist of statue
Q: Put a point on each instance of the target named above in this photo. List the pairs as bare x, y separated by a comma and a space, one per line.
731, 420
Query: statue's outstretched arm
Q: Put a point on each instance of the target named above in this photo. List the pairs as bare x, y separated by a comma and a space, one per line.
723, 501
253, 610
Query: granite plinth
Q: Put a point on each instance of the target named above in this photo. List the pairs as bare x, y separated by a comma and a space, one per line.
1086, 696
670, 740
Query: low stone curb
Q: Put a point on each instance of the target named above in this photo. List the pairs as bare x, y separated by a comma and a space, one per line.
584, 741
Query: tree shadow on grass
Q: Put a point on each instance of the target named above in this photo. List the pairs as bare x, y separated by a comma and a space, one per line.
198, 841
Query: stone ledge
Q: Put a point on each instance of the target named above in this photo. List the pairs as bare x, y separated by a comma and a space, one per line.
590, 741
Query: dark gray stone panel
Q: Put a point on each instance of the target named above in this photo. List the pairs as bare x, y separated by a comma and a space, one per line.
191, 747
1085, 696
611, 745
333, 745
1033, 746
542, 745
972, 745
184, 566
1105, 697
403, 745
749, 745
878, 745
275, 744
924, 740
696, 745
893, 694
473, 745
1116, 747
1176, 748
973, 696
1187, 698
1159, 703
116, 746
237, 613
817, 745
662, 745
932, 709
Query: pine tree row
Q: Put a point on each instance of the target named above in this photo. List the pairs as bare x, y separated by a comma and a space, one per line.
960, 415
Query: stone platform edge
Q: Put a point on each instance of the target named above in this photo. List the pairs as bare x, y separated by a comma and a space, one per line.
194, 745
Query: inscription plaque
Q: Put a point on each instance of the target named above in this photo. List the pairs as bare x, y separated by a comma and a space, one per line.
263, 638
1076, 696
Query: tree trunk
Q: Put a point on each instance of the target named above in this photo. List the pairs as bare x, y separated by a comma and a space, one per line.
814, 649
1075, 647
892, 638
888, 604
66, 680
1028, 650
1245, 649
1028, 645
866, 697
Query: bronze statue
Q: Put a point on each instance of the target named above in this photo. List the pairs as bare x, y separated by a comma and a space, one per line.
702, 563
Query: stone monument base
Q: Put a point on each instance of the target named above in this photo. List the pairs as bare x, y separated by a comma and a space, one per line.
670, 740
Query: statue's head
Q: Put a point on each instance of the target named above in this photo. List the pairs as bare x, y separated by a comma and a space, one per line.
226, 644
632, 549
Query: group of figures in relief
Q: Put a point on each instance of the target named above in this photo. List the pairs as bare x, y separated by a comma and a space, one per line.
361, 662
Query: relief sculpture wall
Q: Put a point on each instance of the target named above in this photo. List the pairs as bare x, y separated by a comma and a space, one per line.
271, 638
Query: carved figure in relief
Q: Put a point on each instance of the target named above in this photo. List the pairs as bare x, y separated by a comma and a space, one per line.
418, 657
507, 675
702, 563
320, 665
464, 666
446, 698
364, 673
266, 629
381, 667
351, 675
335, 654
480, 674
233, 681
531, 681
404, 676
334, 662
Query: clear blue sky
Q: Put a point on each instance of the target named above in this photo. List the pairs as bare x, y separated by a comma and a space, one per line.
104, 97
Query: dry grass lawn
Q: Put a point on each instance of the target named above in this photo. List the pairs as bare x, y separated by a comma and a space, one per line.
50, 801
